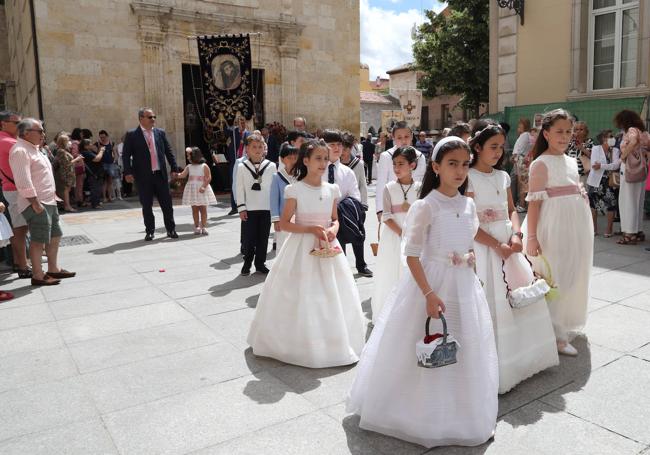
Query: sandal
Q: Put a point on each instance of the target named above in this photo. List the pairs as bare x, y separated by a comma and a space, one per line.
4, 295
45, 281
607, 235
640, 236
23, 273
627, 240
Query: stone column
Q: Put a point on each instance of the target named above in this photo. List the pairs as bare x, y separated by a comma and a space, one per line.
152, 62
643, 54
288, 67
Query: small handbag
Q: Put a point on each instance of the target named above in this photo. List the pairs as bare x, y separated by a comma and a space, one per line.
525, 295
439, 350
614, 179
328, 251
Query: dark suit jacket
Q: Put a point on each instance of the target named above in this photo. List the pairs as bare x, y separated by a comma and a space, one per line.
136, 157
236, 136
368, 150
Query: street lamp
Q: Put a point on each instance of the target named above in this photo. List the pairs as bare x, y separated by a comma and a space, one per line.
517, 5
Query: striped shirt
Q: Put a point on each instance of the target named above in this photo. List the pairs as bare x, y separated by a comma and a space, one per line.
32, 174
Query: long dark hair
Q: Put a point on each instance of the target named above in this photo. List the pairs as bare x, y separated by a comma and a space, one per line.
549, 119
431, 181
483, 130
196, 156
306, 150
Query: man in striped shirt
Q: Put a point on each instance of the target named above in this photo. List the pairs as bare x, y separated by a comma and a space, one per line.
36, 201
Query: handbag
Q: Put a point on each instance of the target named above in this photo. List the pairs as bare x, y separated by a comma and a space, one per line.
636, 164
439, 350
614, 179
525, 295
327, 252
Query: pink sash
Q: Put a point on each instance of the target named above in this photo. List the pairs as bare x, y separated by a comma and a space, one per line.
559, 191
491, 215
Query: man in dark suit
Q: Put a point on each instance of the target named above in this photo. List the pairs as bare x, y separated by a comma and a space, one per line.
144, 153
368, 156
236, 149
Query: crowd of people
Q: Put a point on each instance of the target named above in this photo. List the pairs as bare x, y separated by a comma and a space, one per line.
505, 296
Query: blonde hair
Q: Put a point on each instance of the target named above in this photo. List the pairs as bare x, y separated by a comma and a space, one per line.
62, 142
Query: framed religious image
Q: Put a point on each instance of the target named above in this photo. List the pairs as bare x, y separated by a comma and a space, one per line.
537, 121
226, 72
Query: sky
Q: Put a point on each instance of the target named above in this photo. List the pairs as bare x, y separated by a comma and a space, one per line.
386, 31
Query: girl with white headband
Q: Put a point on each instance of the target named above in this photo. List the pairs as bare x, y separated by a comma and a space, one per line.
524, 336
456, 404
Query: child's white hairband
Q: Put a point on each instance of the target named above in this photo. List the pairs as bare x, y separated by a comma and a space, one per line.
442, 142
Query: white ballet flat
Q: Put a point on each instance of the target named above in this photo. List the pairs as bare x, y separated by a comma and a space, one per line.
567, 349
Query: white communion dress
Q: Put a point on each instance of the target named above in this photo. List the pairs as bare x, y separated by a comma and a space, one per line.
565, 233
309, 311
524, 336
452, 405
191, 193
390, 257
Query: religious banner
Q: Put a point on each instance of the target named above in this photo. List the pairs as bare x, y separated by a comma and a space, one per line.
411, 102
226, 75
390, 118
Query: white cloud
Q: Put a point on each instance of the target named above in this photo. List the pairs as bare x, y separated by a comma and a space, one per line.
386, 37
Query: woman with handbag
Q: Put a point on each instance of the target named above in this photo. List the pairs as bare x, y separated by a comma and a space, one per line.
603, 180
523, 330
634, 171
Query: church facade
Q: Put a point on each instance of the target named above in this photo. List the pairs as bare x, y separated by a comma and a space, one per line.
93, 63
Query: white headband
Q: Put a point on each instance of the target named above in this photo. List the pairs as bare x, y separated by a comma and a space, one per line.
442, 142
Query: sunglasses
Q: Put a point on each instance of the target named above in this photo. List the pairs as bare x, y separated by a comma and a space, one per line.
153, 117
15, 122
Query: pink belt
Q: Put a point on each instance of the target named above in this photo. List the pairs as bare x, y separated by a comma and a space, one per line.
491, 215
567, 190
196, 178
313, 220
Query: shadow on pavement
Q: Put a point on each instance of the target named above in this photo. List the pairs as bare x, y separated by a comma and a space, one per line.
239, 282
159, 238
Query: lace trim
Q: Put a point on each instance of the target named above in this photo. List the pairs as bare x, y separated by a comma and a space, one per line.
537, 196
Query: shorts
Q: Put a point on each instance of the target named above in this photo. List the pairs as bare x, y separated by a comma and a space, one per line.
111, 170
17, 218
45, 225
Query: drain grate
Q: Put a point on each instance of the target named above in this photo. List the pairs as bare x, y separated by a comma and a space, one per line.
73, 240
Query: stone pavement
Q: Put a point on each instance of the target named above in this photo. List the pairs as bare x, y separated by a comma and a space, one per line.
144, 352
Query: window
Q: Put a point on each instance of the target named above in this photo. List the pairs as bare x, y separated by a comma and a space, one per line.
614, 35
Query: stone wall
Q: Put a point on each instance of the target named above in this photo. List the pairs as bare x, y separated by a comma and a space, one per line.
371, 114
96, 72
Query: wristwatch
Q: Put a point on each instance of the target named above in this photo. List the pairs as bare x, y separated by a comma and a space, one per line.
519, 234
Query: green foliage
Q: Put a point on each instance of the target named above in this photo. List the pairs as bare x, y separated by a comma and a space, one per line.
453, 53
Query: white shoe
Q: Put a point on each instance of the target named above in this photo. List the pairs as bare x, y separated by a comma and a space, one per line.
566, 348
197, 231
204, 231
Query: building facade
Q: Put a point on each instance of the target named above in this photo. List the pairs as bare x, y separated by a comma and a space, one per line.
590, 56
93, 63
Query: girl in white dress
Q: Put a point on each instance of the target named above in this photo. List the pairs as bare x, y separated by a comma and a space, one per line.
455, 404
198, 192
398, 197
309, 311
559, 227
524, 336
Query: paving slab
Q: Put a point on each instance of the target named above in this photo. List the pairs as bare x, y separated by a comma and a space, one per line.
30, 338
604, 327
23, 369
203, 418
79, 438
125, 348
42, 406
314, 434
25, 315
616, 397
124, 320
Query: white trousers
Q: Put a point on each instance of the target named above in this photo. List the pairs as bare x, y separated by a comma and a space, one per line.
631, 197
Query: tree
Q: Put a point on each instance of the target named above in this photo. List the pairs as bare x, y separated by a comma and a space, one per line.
452, 53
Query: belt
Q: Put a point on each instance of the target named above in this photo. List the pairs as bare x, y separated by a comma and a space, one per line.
159, 172
491, 215
455, 259
567, 190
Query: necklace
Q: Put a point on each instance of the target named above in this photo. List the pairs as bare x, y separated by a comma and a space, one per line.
405, 204
487, 176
